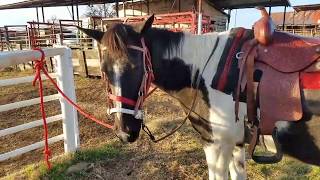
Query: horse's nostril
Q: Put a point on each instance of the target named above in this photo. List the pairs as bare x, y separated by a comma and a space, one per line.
122, 136
133, 136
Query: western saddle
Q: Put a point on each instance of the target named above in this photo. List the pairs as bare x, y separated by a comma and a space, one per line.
281, 58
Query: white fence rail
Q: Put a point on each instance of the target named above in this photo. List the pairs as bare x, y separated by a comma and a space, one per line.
64, 77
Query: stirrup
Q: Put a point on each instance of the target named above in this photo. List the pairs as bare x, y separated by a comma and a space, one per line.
262, 159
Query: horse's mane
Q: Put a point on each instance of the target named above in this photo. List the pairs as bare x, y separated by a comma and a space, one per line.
115, 40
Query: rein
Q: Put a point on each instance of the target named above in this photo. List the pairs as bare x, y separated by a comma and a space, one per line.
195, 92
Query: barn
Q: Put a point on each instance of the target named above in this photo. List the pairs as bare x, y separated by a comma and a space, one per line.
304, 20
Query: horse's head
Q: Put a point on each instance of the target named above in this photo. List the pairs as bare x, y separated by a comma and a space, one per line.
126, 66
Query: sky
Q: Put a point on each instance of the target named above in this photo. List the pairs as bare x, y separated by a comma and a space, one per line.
241, 17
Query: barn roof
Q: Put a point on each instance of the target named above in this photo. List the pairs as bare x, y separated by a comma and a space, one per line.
307, 7
222, 4
298, 18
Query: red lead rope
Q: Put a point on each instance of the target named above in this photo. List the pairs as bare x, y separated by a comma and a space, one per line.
39, 66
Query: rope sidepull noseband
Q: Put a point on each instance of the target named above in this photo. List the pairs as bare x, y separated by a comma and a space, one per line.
143, 93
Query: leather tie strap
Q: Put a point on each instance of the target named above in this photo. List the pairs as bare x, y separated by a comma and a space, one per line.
251, 100
250, 46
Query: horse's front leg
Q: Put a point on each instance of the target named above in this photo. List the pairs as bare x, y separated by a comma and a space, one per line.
218, 155
237, 163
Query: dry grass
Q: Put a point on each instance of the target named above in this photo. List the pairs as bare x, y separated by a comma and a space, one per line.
178, 157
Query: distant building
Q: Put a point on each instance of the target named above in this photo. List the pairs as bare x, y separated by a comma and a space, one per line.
140, 8
305, 21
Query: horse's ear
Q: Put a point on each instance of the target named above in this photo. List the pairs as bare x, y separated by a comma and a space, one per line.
146, 25
95, 34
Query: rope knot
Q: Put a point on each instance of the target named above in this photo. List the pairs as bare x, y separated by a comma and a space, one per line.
39, 65
47, 152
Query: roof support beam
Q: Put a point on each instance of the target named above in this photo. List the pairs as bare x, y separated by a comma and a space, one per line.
117, 8
37, 11
72, 10
43, 19
284, 17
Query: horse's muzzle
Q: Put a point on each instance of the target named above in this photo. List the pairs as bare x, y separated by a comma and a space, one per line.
127, 137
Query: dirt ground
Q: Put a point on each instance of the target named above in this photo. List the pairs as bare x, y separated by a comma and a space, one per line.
178, 157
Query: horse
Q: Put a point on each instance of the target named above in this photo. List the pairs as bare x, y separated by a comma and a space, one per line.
185, 66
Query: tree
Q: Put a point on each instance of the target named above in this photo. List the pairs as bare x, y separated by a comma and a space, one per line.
53, 19
100, 10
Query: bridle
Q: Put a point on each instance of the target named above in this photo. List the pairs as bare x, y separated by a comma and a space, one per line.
146, 81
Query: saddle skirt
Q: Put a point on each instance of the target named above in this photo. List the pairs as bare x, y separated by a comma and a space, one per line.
282, 63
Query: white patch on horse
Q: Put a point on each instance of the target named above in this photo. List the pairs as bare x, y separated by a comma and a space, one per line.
282, 125
117, 87
223, 153
268, 140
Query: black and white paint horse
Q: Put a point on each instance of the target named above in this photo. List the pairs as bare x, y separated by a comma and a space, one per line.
178, 59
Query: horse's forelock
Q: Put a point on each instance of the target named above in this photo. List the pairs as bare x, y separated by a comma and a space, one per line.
115, 41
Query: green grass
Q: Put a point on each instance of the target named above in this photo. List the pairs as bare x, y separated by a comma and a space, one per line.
59, 169
287, 169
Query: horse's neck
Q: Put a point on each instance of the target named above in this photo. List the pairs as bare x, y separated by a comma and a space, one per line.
178, 58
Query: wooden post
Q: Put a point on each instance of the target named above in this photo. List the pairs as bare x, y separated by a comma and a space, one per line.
72, 10
124, 8
105, 10
43, 19
132, 7
77, 8
37, 11
141, 9
83, 63
148, 7
229, 17
270, 10
117, 7
100, 59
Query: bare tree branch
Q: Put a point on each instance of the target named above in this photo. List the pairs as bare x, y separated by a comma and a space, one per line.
98, 10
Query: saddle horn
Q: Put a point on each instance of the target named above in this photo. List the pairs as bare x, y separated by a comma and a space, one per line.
263, 28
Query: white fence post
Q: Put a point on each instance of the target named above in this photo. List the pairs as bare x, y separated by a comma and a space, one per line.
70, 118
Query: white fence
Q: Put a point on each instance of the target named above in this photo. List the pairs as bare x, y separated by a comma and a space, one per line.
64, 77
